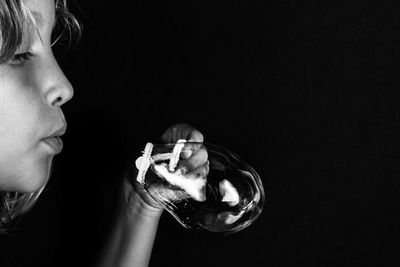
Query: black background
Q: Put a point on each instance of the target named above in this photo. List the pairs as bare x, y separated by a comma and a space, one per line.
305, 91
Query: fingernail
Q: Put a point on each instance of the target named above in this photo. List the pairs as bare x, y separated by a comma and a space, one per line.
186, 154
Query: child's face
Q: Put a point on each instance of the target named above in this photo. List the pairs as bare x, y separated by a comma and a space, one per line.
31, 93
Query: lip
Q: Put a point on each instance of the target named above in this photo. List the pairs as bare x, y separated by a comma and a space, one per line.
59, 132
54, 143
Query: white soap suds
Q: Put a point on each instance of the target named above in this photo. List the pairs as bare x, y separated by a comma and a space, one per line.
229, 219
229, 193
192, 186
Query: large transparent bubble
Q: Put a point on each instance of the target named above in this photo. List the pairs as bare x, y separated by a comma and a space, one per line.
228, 199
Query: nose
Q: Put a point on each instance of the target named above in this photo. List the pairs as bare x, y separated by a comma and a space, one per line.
56, 87
60, 93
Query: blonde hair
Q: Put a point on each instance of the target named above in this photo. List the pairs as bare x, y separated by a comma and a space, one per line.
13, 14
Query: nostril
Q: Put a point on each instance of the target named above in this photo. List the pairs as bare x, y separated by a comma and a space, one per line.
58, 101
59, 93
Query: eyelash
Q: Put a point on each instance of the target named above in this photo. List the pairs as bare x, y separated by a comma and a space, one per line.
20, 58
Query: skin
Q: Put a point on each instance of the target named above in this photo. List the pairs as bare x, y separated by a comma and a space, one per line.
30, 106
135, 229
32, 92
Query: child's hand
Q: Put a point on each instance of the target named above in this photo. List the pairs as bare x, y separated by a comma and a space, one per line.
193, 166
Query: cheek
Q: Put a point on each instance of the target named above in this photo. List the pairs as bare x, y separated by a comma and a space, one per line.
18, 130
20, 115
24, 167
24, 163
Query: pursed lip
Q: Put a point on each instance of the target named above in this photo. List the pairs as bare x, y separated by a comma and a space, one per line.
55, 143
57, 133
54, 139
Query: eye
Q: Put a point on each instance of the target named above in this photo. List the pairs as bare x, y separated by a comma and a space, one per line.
20, 58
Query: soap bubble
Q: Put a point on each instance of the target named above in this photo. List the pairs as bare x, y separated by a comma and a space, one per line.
228, 199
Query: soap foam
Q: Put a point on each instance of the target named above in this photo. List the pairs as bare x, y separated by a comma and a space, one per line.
194, 187
229, 193
229, 218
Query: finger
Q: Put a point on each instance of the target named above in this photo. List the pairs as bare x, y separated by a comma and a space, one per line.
182, 131
195, 136
190, 148
201, 171
195, 160
165, 195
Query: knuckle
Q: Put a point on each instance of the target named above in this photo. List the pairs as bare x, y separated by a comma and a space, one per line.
203, 152
197, 135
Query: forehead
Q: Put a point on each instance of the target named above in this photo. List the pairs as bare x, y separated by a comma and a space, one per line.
43, 12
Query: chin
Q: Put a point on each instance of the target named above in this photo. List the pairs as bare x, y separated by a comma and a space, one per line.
32, 177
34, 184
